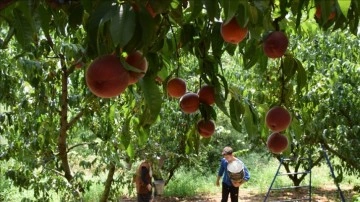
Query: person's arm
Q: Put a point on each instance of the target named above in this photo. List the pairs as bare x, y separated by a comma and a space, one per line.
246, 174
220, 173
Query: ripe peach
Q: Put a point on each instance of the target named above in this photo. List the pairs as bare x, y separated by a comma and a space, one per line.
206, 128
232, 32
106, 77
189, 103
150, 10
277, 143
176, 87
278, 119
275, 44
54, 4
148, 7
137, 60
318, 13
207, 94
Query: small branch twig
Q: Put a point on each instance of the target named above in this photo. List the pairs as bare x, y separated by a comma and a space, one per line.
80, 144
75, 119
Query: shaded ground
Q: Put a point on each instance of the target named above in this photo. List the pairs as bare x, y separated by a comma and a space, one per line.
323, 194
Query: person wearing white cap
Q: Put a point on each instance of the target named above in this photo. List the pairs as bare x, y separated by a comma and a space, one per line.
234, 173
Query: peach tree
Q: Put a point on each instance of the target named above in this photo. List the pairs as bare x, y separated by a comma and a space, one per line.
50, 116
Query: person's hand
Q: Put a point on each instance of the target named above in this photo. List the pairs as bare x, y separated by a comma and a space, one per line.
148, 187
217, 183
237, 183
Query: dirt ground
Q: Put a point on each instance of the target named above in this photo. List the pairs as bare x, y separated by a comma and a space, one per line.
323, 194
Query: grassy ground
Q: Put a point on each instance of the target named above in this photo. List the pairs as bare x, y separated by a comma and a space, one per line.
196, 186
191, 185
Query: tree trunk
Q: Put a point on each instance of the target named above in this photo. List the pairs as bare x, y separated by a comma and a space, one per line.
62, 145
108, 183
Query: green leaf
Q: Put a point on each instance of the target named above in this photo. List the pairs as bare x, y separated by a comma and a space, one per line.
251, 54
122, 26
143, 136
153, 99
125, 136
243, 14
301, 76
230, 8
220, 98
192, 139
217, 41
207, 112
76, 12
111, 114
131, 151
249, 116
237, 111
23, 29
45, 17
212, 9
289, 66
344, 6
148, 28
95, 22
195, 8
253, 14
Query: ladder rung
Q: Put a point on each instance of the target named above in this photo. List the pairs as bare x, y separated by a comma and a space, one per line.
291, 187
297, 199
293, 159
294, 173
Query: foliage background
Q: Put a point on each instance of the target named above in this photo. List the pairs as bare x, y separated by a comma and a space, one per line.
55, 133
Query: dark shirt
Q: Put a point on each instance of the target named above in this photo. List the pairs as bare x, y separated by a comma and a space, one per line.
144, 173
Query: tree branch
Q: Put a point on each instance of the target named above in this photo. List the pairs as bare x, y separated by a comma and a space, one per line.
80, 144
342, 157
62, 145
75, 119
108, 183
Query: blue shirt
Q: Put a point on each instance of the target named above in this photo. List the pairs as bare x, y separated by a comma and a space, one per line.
226, 178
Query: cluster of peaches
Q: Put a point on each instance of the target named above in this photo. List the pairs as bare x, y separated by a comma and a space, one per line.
108, 76
277, 119
189, 102
274, 44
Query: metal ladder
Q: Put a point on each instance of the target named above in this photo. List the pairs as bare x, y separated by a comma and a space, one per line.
278, 173
342, 197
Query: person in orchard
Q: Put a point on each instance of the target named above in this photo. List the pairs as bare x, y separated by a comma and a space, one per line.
234, 173
143, 180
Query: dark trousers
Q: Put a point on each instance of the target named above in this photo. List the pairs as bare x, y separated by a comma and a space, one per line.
233, 191
144, 197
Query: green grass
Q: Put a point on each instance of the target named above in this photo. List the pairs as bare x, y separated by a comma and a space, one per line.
189, 183
94, 194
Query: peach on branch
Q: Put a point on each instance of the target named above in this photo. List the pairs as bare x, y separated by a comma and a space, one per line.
278, 119
207, 94
189, 103
277, 143
106, 77
137, 60
206, 128
275, 44
176, 87
318, 13
232, 32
